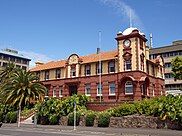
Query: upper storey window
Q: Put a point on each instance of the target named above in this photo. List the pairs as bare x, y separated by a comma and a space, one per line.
99, 68
46, 75
87, 70
73, 71
111, 67
127, 65
58, 73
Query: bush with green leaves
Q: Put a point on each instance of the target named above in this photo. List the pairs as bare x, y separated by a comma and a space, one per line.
54, 119
71, 119
103, 119
11, 117
89, 118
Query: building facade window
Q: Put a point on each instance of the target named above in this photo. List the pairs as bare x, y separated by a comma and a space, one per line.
167, 65
87, 90
129, 87
87, 70
38, 75
24, 68
143, 89
12, 59
46, 75
5, 58
61, 91
111, 67
99, 68
58, 73
73, 71
112, 89
127, 65
4, 64
99, 89
18, 60
54, 92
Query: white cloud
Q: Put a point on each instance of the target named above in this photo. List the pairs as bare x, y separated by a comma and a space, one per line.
35, 57
125, 11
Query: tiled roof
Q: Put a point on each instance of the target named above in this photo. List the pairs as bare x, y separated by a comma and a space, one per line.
84, 59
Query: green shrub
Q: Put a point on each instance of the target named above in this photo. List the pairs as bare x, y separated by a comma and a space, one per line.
1, 116
123, 110
71, 119
53, 119
104, 119
90, 117
11, 117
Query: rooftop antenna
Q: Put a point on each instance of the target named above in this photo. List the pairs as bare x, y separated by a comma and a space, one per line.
151, 40
130, 19
100, 71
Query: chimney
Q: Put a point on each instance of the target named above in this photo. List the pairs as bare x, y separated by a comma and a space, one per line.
151, 41
98, 50
38, 63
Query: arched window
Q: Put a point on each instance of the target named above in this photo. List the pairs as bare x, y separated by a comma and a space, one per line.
129, 87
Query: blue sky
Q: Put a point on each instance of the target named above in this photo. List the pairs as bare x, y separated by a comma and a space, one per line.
53, 29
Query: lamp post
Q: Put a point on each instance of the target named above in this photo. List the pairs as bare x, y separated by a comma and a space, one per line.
74, 127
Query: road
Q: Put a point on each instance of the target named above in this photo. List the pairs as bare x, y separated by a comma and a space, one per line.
30, 130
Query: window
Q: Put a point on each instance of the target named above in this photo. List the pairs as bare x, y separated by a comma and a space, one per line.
18, 60
99, 67
61, 91
112, 88
4, 64
73, 71
87, 70
24, 68
38, 75
153, 90
142, 62
128, 87
99, 89
167, 65
5, 57
87, 90
168, 75
111, 67
46, 75
143, 89
127, 65
12, 59
58, 73
54, 92
24, 61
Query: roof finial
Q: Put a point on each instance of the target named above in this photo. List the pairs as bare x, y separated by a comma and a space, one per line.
130, 19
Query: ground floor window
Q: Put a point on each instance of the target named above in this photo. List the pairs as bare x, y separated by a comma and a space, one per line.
54, 92
112, 88
129, 87
87, 90
61, 91
99, 89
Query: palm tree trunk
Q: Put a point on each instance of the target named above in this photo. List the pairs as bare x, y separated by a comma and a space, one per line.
19, 111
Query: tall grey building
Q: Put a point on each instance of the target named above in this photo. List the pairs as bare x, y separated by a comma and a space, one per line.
168, 53
9, 55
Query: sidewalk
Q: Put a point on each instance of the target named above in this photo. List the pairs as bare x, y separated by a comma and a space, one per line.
118, 131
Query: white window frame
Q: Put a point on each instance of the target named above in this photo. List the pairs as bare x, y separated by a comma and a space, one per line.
87, 67
112, 94
73, 69
61, 91
125, 64
111, 64
86, 91
54, 92
131, 84
98, 86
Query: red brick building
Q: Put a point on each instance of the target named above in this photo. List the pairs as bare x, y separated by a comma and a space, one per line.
127, 73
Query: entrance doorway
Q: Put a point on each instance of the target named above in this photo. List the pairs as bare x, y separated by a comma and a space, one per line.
72, 89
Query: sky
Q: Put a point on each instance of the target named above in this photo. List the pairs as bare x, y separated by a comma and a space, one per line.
45, 30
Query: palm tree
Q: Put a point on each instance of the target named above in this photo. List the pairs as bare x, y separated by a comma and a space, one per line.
22, 88
6, 72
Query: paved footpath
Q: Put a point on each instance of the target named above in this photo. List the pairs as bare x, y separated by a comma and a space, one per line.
57, 130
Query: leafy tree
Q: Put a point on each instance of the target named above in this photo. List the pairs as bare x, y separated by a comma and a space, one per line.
22, 89
177, 68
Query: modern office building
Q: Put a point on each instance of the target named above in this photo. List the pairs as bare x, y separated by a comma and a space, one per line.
9, 55
126, 73
168, 53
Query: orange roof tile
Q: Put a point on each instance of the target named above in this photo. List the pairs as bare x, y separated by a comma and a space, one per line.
85, 59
